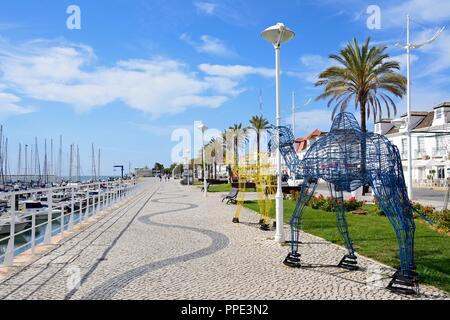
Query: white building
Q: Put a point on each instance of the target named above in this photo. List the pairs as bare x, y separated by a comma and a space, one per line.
430, 144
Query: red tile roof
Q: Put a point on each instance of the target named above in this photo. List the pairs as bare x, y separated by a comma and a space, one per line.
301, 144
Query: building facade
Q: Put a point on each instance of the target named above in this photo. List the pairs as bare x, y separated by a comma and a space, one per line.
430, 138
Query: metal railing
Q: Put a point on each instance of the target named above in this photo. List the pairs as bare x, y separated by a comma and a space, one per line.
419, 154
56, 217
440, 152
428, 183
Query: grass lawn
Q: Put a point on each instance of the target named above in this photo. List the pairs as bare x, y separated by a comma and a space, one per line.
218, 188
374, 237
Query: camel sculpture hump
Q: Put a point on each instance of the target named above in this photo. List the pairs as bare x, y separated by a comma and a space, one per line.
337, 157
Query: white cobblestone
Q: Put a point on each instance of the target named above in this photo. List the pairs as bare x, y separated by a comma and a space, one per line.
183, 246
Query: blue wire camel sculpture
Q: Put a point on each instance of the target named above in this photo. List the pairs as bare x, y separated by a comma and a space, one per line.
348, 158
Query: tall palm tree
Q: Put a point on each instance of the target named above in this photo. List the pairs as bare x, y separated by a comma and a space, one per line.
212, 148
258, 123
366, 77
239, 135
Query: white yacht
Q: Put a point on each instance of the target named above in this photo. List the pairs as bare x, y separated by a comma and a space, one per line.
5, 224
38, 209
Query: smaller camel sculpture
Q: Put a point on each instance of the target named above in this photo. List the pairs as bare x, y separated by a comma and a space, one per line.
348, 158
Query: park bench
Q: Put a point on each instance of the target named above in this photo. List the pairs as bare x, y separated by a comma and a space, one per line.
207, 187
232, 196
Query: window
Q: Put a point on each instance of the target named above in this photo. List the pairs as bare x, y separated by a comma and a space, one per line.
441, 173
404, 145
439, 142
439, 113
420, 144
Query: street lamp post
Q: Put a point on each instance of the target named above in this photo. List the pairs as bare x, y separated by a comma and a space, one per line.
203, 128
278, 35
187, 165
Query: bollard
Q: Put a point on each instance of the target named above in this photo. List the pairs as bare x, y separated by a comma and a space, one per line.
33, 232
80, 218
61, 222
48, 229
9, 255
72, 208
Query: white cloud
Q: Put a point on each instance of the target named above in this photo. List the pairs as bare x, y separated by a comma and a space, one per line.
431, 11
206, 7
64, 73
311, 120
10, 105
210, 45
235, 71
401, 58
70, 74
229, 12
312, 66
313, 60
438, 51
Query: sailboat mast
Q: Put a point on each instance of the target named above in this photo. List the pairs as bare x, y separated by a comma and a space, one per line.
78, 164
60, 158
93, 174
98, 164
26, 162
70, 162
45, 167
19, 162
51, 171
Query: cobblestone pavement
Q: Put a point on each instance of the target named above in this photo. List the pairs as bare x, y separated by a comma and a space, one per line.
171, 243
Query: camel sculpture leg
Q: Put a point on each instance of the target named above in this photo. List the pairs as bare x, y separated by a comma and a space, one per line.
349, 260
398, 210
307, 191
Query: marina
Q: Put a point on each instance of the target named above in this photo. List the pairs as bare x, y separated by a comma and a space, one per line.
32, 217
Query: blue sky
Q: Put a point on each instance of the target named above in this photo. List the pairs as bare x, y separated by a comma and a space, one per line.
137, 70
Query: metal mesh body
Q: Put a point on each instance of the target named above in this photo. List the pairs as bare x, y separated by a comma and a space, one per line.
347, 158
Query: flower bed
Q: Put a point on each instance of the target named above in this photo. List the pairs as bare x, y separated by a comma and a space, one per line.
329, 204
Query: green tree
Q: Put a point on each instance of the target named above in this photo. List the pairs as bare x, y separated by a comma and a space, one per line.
239, 135
365, 77
258, 123
158, 167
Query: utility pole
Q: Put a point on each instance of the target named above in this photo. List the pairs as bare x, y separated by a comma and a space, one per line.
293, 114
408, 47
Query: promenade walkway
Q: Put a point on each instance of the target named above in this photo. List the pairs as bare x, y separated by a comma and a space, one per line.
171, 243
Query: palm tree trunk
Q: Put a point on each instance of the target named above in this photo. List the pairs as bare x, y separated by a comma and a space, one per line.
236, 154
257, 147
362, 107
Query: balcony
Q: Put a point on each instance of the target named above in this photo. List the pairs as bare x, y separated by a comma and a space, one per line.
420, 154
440, 152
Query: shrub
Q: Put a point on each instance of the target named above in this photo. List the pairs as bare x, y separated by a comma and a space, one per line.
294, 195
330, 204
353, 204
